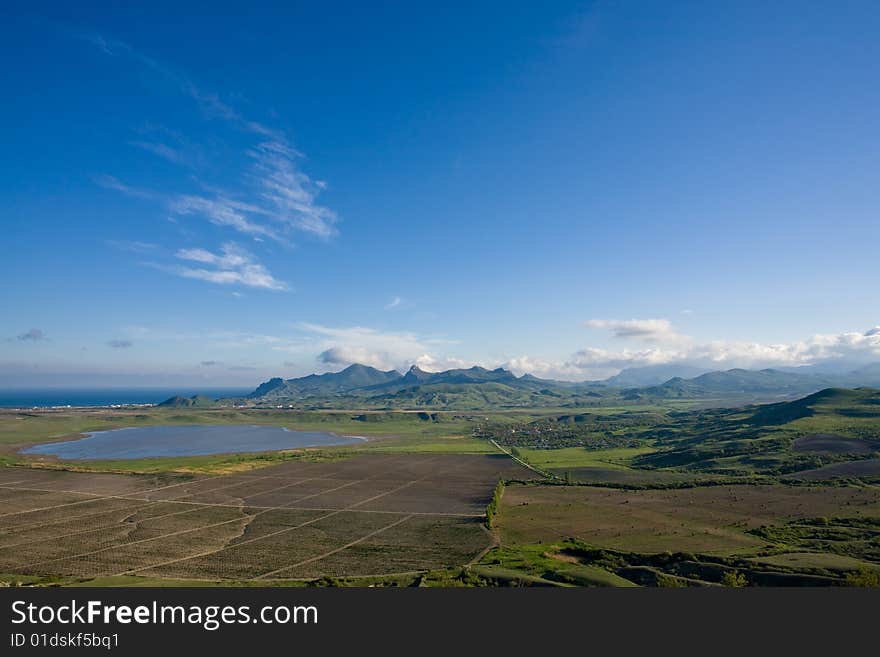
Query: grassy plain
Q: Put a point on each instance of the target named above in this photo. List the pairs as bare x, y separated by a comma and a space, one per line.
707, 519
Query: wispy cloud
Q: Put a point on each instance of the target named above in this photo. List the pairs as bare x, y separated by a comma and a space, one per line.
112, 182
233, 265
210, 103
99, 42
273, 196
171, 146
218, 209
133, 246
223, 211
120, 344
394, 303
291, 193
162, 150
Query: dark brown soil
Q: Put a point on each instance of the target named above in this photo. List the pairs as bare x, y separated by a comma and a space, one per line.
850, 469
366, 515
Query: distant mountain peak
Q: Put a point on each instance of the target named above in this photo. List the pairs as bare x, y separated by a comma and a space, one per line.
353, 377
355, 367
416, 375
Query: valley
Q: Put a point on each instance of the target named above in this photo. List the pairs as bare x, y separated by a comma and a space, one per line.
653, 494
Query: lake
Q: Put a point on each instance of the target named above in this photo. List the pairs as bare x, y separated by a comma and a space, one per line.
187, 440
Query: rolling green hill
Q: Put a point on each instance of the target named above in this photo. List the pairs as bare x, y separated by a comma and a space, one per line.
739, 382
832, 426
196, 401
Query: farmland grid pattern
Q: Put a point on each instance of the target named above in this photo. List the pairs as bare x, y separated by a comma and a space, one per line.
366, 515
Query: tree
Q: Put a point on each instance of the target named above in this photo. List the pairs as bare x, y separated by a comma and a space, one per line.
734, 578
863, 577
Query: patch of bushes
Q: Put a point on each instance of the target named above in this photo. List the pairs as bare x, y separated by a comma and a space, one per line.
494, 503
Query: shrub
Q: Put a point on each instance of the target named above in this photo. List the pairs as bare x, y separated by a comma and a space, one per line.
863, 577
492, 507
734, 579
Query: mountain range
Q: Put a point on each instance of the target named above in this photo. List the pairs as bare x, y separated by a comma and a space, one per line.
480, 388
416, 386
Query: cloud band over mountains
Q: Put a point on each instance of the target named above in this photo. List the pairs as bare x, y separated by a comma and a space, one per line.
657, 343
308, 347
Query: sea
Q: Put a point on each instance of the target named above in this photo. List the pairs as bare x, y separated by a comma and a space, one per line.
49, 397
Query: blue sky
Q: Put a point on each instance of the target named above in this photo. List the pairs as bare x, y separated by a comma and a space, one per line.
561, 188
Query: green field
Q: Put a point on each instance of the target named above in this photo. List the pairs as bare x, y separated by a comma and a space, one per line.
579, 457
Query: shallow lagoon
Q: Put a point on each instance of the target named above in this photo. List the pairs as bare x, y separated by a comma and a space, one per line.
186, 440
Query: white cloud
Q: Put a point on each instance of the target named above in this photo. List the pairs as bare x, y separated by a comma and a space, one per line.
339, 347
345, 355
542, 369
288, 190
222, 212
219, 210
231, 257
232, 266
281, 197
342, 346
396, 301
431, 363
332, 347
596, 363
649, 330
269, 196
387, 359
